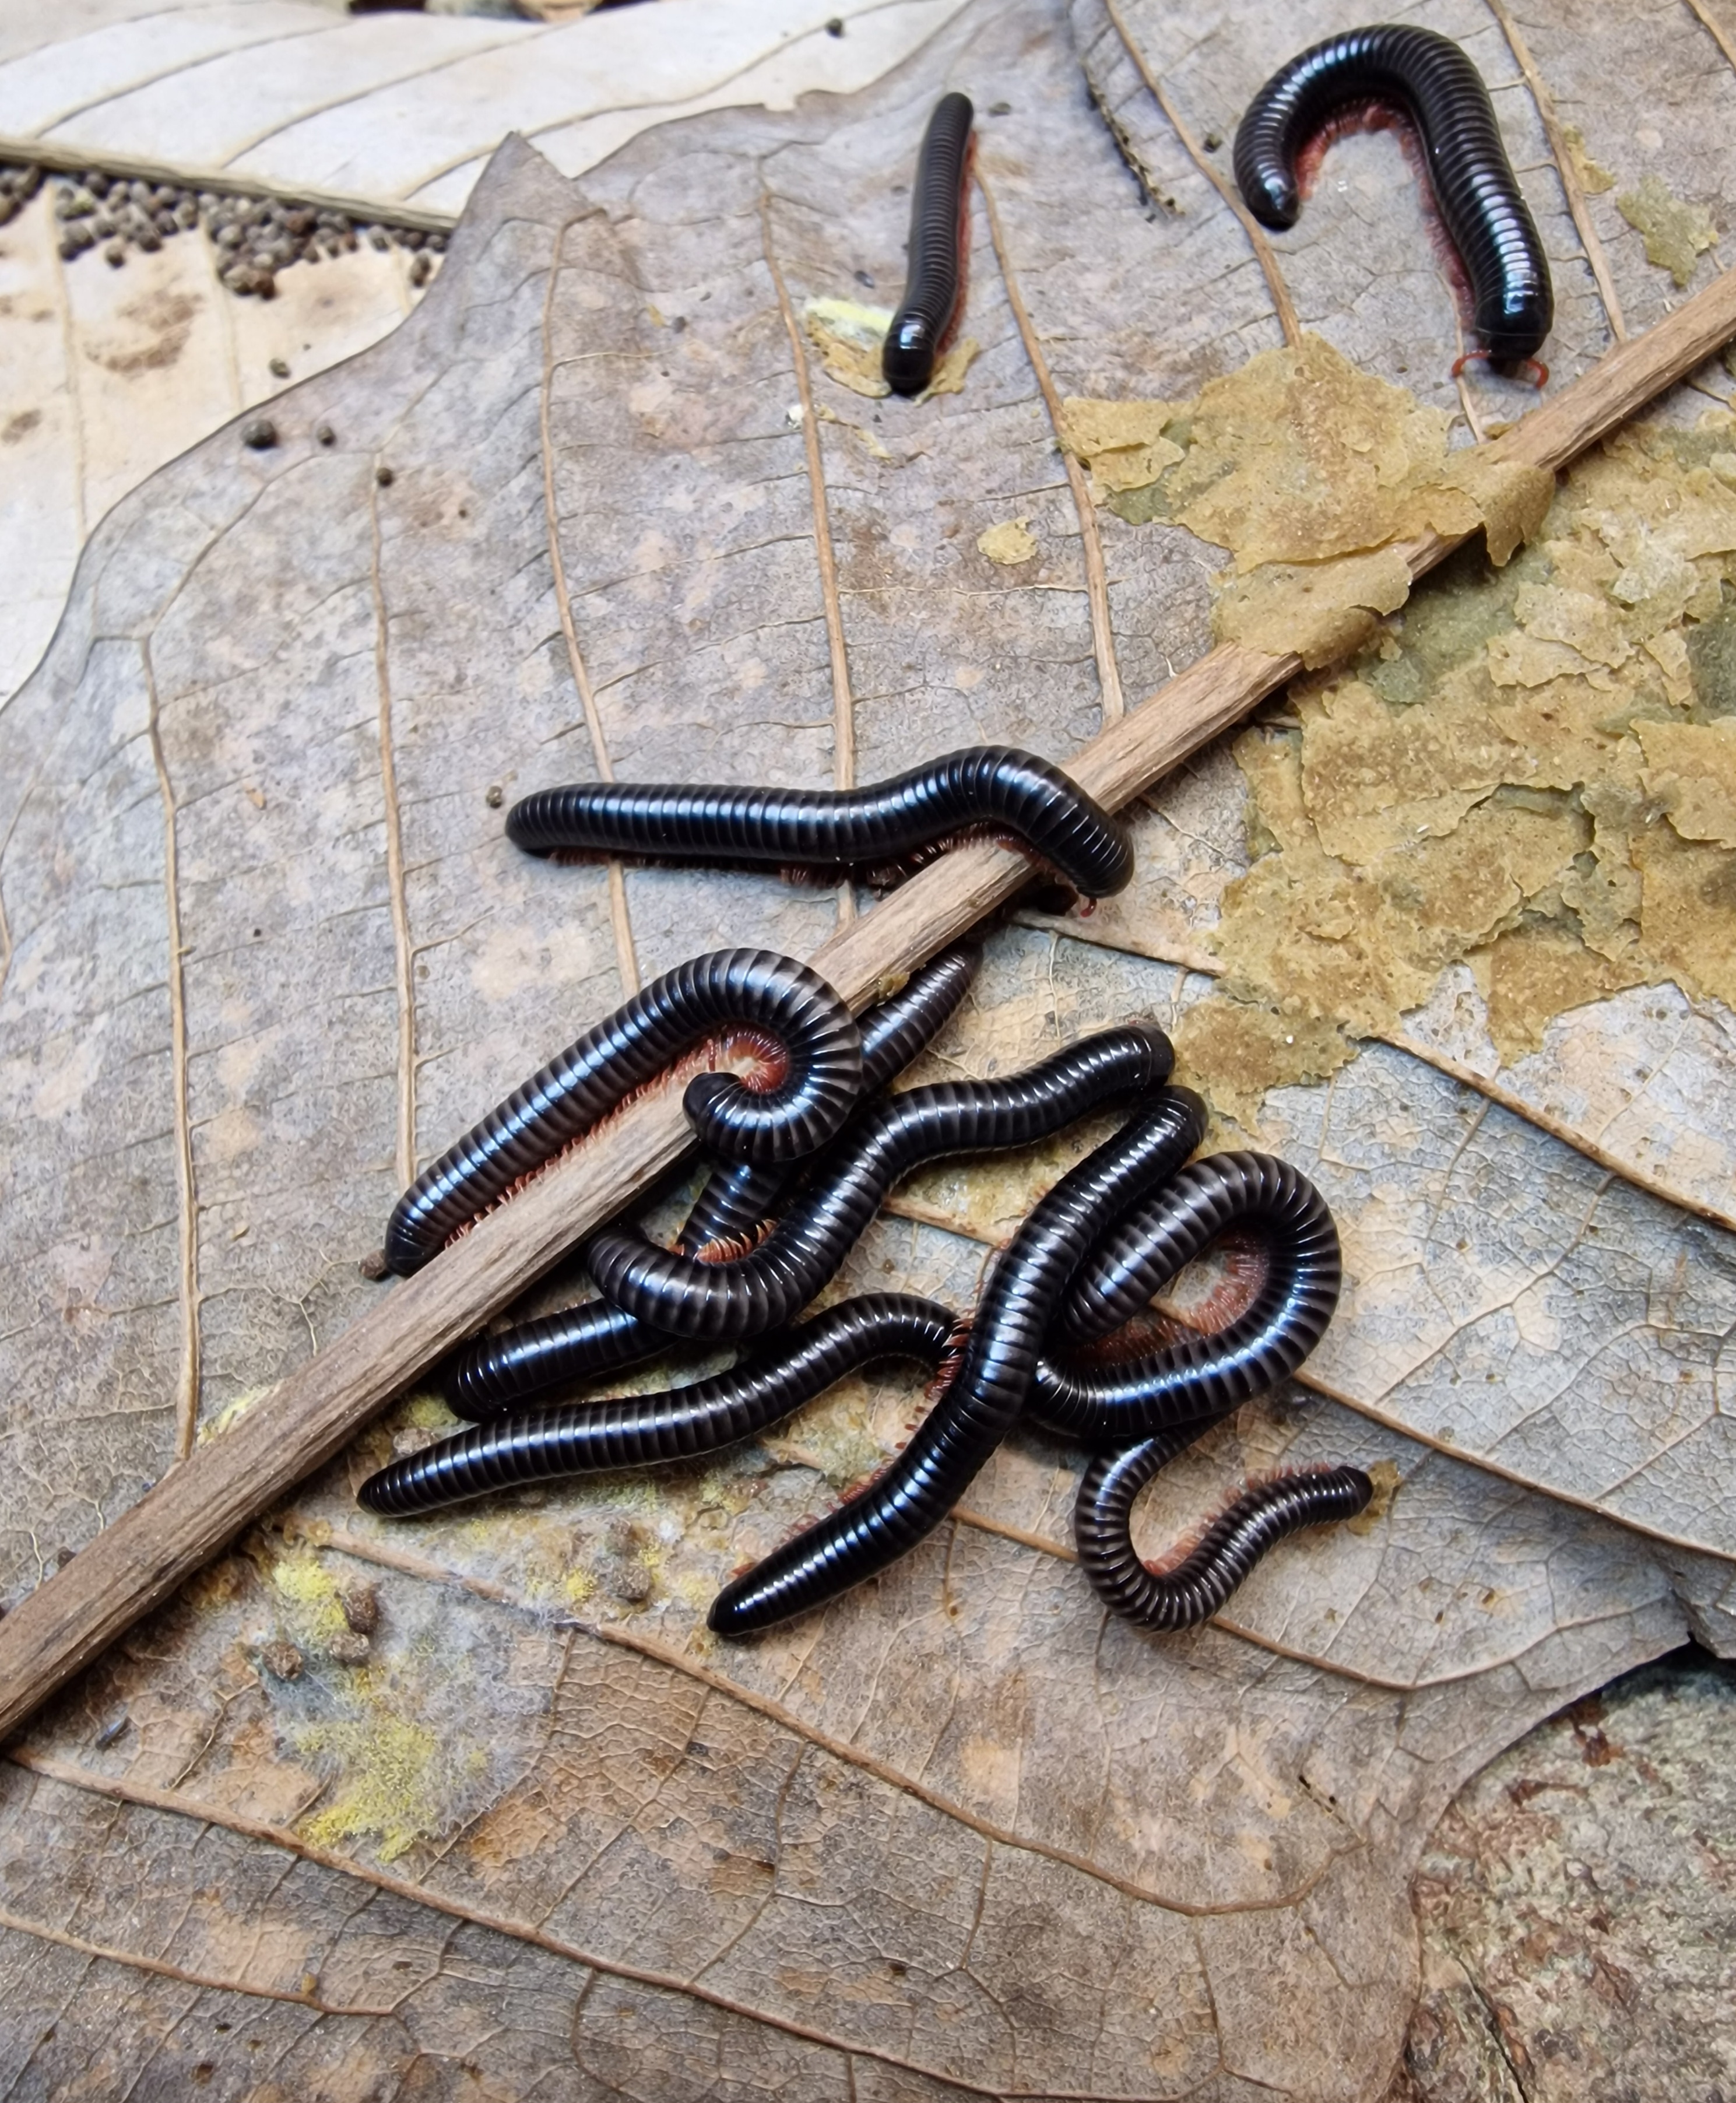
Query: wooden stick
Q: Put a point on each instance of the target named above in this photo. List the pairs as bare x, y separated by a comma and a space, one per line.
202, 1503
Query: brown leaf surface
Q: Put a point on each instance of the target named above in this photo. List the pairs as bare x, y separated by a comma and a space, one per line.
520, 1825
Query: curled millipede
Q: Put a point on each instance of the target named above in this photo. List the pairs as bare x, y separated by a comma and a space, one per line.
729, 989
1433, 83
935, 276
534, 1445
908, 1500
1197, 1373
1192, 1588
823, 1222
738, 1202
578, 1343
840, 830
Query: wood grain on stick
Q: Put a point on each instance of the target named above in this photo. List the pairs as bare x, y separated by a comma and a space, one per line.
297, 1425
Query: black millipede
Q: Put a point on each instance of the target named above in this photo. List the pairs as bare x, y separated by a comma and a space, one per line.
836, 831
578, 1343
738, 1202
809, 1040
1481, 207
534, 1445
983, 1400
1192, 1588
821, 1225
1199, 1374
935, 274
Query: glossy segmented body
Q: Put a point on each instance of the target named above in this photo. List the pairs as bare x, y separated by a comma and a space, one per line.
819, 1047
935, 276
1204, 1374
1481, 204
737, 1201
580, 1343
835, 831
532, 1445
1194, 1589
821, 1225
905, 1504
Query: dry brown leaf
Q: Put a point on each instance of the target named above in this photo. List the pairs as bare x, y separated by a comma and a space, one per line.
846, 1856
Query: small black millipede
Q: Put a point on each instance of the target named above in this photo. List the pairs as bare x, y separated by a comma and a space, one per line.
935, 274
903, 1505
1204, 1374
1481, 204
534, 1445
1192, 1589
771, 1285
578, 1343
800, 1023
836, 831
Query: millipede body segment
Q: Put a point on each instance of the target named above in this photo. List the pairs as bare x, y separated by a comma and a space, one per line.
906, 1503
838, 830
768, 1287
935, 274
578, 1343
532, 1445
820, 1051
1207, 1373
1195, 1587
1431, 80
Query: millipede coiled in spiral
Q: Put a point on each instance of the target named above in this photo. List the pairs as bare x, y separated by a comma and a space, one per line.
578, 1343
835, 831
1481, 204
935, 274
916, 1492
535, 1445
1195, 1586
1204, 1373
800, 1018
767, 1287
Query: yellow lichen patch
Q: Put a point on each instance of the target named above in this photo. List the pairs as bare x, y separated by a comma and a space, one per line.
1532, 769
1534, 972
1675, 233
309, 1605
1238, 1051
394, 1784
1509, 498
1310, 473
1120, 443
849, 337
950, 369
1385, 1477
1592, 179
229, 1415
1687, 909
1320, 611
1298, 456
1376, 777
1690, 768
1008, 544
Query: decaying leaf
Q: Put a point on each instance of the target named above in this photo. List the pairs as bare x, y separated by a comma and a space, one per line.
956, 1834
